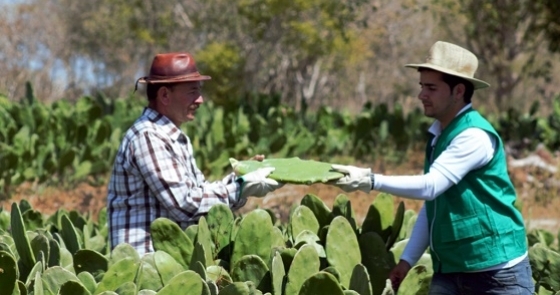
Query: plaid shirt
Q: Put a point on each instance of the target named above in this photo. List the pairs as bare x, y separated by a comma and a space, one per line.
155, 175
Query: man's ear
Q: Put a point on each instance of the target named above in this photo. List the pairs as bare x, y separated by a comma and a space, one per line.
459, 91
163, 95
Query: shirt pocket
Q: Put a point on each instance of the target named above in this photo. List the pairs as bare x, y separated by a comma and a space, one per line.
461, 229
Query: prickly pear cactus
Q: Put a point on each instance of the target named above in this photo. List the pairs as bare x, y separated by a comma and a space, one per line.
277, 273
22, 244
410, 217
8, 275
88, 281
396, 227
54, 253
167, 236
200, 269
417, 281
122, 251
40, 246
198, 256
305, 264
220, 222
376, 259
127, 288
252, 268
148, 277
359, 281
237, 288
167, 266
380, 216
38, 268
302, 218
70, 235
288, 255
187, 282
91, 261
322, 213
343, 207
73, 288
290, 170
204, 237
319, 284
546, 267
343, 250
218, 275
309, 238
53, 278
254, 236
119, 273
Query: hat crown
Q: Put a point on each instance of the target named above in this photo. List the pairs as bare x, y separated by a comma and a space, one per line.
173, 65
173, 68
454, 58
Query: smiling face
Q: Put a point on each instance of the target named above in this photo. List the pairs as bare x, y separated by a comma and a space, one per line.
180, 101
439, 101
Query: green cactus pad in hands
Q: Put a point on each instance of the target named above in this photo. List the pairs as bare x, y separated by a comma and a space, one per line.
290, 170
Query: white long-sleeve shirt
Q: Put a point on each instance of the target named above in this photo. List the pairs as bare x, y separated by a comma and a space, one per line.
469, 150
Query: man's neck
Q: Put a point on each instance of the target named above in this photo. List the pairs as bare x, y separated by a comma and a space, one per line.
452, 115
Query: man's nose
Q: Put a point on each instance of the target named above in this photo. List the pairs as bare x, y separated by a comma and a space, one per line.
422, 95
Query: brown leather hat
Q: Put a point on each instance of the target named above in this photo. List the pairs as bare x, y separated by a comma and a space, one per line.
173, 68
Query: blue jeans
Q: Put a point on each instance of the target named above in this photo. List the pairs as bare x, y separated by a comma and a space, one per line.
509, 281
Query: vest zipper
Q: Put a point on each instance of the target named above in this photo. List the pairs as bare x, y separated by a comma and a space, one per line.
438, 267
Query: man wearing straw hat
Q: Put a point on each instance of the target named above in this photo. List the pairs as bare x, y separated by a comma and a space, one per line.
155, 173
476, 236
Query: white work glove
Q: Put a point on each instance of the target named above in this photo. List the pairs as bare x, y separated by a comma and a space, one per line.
354, 179
257, 184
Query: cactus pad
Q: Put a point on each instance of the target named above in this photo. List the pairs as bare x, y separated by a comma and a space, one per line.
290, 170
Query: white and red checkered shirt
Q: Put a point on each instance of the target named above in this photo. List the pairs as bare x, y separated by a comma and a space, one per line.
155, 175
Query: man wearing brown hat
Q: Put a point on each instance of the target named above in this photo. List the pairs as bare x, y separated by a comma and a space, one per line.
475, 234
155, 173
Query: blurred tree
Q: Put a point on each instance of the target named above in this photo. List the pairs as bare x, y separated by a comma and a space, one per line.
116, 39
29, 43
500, 33
285, 47
549, 23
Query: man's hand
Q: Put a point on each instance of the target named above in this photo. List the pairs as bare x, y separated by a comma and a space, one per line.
355, 178
398, 274
257, 183
259, 158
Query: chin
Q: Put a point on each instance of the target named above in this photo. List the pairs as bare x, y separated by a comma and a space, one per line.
428, 114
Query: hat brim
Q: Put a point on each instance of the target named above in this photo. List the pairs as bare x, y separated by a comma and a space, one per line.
152, 80
478, 84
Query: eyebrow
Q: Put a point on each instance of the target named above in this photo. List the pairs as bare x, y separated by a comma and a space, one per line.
427, 84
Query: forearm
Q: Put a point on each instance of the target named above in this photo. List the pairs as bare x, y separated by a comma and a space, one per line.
419, 239
420, 187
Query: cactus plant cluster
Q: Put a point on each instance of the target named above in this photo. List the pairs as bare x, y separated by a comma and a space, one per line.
320, 250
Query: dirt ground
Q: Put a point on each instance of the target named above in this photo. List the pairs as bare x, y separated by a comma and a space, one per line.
541, 204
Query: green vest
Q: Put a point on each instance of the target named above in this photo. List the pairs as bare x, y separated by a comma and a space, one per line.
474, 224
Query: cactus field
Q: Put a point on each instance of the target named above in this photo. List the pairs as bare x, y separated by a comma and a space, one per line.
320, 249
301, 239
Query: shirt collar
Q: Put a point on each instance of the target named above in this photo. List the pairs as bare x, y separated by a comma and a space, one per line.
435, 128
163, 123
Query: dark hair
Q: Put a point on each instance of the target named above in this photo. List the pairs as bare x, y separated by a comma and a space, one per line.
453, 81
152, 89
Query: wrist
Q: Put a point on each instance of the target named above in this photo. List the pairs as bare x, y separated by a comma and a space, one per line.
372, 178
